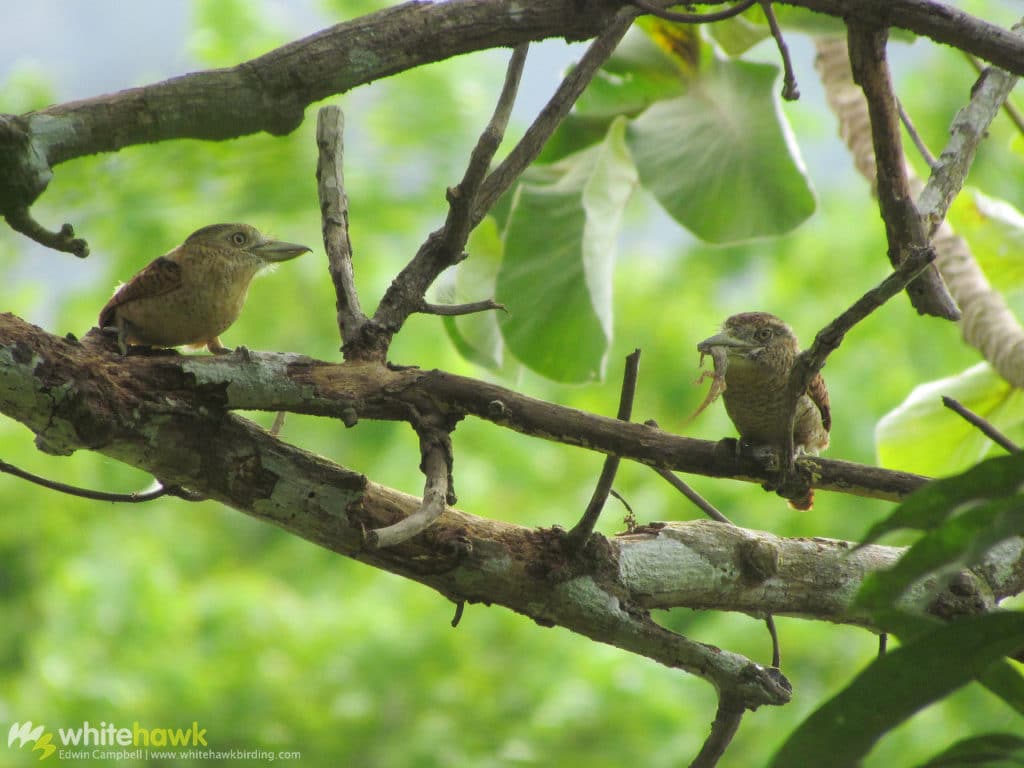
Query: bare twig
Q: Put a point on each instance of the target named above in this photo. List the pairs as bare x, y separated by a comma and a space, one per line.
463, 198
903, 227
723, 729
684, 488
582, 530
85, 493
790, 90
330, 127
828, 339
773, 632
436, 466
986, 427
460, 607
629, 519
275, 428
915, 137
699, 501
21, 221
558, 106
450, 310
444, 247
693, 18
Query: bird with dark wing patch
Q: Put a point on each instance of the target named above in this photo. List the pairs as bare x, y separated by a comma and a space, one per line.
193, 293
759, 352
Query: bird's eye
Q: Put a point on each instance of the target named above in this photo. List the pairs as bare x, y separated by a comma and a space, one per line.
238, 238
763, 334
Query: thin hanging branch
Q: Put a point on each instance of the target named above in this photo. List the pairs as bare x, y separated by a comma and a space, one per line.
790, 89
693, 18
698, 501
915, 137
579, 534
773, 633
684, 488
21, 220
86, 493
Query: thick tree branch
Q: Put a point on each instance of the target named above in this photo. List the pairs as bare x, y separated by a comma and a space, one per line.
270, 93
941, 22
969, 128
75, 396
350, 391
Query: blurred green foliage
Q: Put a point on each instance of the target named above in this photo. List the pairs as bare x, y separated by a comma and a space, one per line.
169, 612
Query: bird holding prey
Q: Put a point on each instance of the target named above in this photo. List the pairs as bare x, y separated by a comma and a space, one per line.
754, 354
193, 293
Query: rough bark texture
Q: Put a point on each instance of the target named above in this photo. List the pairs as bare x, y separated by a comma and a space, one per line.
270, 93
168, 415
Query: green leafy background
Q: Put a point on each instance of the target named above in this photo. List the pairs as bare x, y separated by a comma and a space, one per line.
168, 612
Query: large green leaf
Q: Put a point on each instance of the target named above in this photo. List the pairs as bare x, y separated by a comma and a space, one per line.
738, 34
895, 686
556, 275
995, 230
1004, 679
645, 68
992, 750
1001, 677
922, 435
721, 159
929, 507
959, 543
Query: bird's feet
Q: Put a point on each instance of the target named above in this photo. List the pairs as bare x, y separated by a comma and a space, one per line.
768, 457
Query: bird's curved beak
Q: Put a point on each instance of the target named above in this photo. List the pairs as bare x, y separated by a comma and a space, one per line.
278, 250
723, 340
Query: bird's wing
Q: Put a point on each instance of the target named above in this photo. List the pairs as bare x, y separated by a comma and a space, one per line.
819, 394
158, 277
